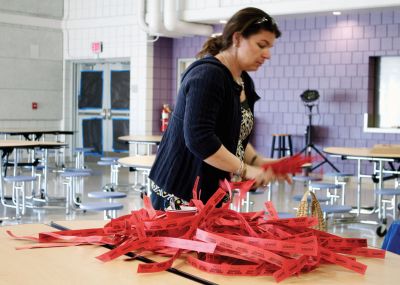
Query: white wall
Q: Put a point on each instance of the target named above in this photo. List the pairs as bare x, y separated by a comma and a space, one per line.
115, 24
30, 63
40, 8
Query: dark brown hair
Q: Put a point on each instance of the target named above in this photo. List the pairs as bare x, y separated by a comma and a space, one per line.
248, 21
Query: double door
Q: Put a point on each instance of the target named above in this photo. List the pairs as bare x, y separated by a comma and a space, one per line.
103, 92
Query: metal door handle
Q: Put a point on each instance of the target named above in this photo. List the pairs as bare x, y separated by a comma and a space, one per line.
103, 114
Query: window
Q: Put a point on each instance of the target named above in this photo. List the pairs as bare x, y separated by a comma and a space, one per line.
183, 64
385, 88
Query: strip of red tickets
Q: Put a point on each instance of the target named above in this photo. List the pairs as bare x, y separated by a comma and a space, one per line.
287, 165
219, 240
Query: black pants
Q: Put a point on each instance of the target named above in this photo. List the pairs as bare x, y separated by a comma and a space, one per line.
158, 202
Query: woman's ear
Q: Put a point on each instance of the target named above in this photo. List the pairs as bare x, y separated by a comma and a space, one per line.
236, 39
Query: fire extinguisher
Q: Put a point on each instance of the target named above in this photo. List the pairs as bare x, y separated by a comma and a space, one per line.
165, 117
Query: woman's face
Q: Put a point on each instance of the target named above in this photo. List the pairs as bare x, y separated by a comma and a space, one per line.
255, 50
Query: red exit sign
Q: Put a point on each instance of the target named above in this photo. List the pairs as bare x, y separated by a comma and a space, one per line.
97, 47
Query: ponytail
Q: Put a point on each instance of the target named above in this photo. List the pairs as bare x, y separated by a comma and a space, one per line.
212, 47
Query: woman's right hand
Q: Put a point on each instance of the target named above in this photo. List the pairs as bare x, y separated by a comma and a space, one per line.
264, 177
259, 175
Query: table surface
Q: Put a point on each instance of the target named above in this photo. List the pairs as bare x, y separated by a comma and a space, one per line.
68, 265
30, 144
145, 161
141, 138
17, 131
77, 265
379, 271
364, 152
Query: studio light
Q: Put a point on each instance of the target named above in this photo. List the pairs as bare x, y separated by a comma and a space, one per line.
309, 96
310, 99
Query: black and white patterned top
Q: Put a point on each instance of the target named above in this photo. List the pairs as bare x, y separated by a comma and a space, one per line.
245, 128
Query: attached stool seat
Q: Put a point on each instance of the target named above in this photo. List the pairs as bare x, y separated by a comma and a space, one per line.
21, 178
328, 187
114, 170
340, 179
338, 174
286, 215
108, 158
18, 192
102, 206
69, 182
84, 149
282, 149
87, 170
106, 195
106, 162
305, 178
58, 153
41, 167
382, 203
323, 185
335, 209
80, 156
388, 191
298, 198
76, 173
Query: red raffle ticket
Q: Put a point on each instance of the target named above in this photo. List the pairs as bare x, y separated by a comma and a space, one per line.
219, 240
289, 164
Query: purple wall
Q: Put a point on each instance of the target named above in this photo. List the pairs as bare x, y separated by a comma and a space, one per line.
326, 53
163, 84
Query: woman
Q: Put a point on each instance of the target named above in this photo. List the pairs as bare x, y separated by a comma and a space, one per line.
208, 133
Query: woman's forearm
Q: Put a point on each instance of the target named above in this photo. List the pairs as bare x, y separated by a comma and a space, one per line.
224, 160
251, 157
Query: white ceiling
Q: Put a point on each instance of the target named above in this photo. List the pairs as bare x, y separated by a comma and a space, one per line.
286, 7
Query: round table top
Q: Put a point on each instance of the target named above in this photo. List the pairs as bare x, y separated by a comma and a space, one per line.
377, 152
30, 144
142, 138
46, 144
16, 143
18, 131
138, 161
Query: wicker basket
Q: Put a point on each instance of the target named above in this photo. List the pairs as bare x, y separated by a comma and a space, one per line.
303, 210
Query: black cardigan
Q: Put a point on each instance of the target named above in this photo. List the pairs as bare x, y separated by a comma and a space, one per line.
207, 114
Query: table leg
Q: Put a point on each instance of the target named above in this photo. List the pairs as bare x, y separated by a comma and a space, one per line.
358, 187
380, 171
45, 172
1, 178
15, 162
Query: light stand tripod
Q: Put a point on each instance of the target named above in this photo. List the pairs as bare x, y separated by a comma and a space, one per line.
310, 146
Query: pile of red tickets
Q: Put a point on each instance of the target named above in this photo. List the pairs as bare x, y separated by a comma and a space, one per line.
219, 240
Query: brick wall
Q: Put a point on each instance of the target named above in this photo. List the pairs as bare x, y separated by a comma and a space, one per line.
326, 53
163, 79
